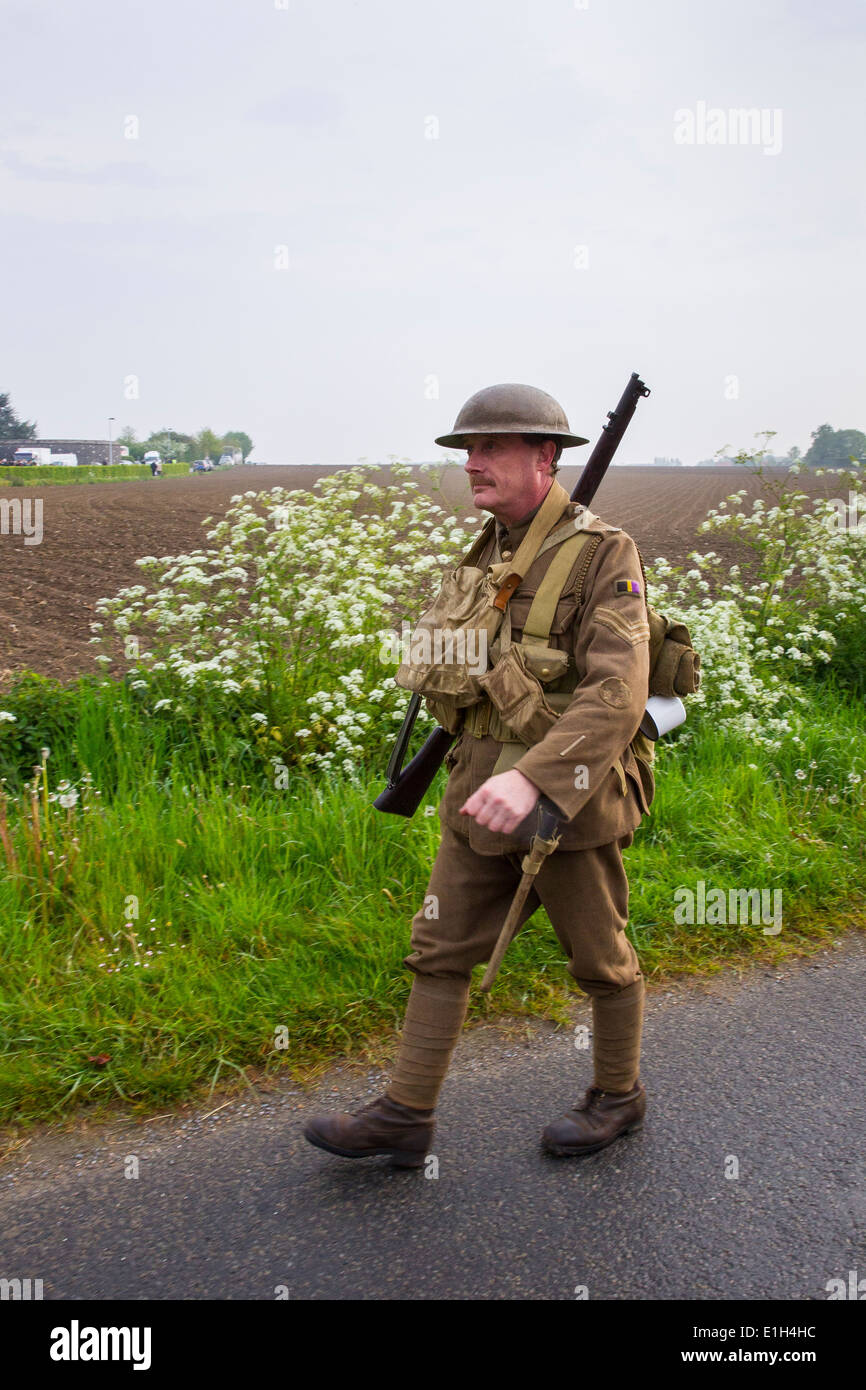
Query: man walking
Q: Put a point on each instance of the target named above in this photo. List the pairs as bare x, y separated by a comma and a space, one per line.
578, 622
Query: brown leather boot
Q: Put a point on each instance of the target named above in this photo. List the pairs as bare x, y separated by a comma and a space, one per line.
382, 1127
600, 1118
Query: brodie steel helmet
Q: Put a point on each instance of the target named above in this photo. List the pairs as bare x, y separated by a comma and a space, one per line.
511, 408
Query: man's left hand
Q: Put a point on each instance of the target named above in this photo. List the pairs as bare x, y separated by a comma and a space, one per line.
502, 802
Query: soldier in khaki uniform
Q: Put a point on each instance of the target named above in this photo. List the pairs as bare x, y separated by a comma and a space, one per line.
583, 763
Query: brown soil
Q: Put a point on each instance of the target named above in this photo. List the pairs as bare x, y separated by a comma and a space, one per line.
93, 535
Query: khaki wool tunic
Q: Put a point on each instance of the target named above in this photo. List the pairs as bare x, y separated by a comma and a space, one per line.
605, 632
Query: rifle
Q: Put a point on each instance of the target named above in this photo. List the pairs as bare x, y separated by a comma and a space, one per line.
407, 786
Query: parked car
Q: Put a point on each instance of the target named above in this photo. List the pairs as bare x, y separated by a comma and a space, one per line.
64, 460
30, 457
202, 466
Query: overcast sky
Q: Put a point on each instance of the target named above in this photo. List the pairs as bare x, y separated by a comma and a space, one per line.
730, 275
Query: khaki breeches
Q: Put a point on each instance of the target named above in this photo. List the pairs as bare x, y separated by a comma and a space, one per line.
584, 892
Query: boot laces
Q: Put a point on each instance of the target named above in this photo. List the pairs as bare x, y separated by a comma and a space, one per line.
371, 1105
592, 1095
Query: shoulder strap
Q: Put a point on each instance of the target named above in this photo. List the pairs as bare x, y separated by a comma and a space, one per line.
551, 509
539, 620
534, 542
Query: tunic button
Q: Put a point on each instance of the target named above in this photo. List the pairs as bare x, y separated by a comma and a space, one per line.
506, 554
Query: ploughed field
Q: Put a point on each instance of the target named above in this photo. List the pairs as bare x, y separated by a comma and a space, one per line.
93, 534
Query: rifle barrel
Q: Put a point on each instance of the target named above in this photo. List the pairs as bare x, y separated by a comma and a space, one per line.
609, 441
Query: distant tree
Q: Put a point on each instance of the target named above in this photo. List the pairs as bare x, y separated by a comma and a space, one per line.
127, 437
10, 426
835, 448
208, 445
793, 455
238, 440
172, 444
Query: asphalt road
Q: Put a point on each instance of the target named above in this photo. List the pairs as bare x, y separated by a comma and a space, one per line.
761, 1073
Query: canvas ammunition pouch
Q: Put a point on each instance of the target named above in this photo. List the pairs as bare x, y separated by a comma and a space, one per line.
532, 683
450, 645
527, 685
517, 685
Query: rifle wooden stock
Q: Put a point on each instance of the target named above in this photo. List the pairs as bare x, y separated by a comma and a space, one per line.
405, 794
406, 789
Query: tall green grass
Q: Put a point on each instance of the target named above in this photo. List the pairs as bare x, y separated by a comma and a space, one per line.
270, 909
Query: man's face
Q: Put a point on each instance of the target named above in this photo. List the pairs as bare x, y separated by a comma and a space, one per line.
507, 476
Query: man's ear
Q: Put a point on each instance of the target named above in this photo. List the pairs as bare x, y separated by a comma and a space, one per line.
546, 452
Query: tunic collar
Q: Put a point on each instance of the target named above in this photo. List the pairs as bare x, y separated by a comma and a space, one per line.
509, 537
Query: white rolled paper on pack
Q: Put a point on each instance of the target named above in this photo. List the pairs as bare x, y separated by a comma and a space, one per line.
663, 713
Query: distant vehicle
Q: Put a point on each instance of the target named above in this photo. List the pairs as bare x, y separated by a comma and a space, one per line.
152, 456
230, 458
64, 460
32, 457
202, 466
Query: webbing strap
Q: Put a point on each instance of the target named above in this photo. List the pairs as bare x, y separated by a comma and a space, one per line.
539, 620
535, 540
555, 502
580, 522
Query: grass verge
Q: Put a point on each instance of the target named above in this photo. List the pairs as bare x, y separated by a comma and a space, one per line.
86, 473
177, 934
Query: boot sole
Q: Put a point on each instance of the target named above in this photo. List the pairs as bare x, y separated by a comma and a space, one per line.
400, 1158
577, 1151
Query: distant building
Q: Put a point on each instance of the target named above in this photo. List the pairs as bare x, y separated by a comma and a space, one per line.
89, 451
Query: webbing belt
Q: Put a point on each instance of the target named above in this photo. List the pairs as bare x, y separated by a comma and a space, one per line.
482, 720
